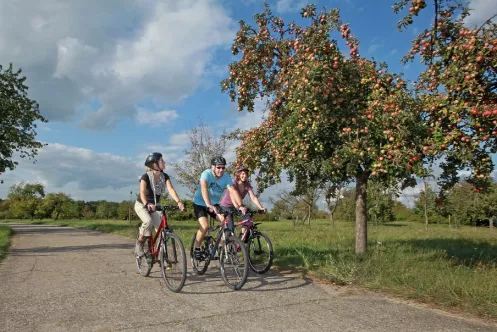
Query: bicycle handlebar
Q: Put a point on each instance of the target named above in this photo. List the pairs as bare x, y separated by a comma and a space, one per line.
237, 212
166, 207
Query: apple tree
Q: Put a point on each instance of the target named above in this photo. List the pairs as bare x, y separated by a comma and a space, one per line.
458, 87
330, 116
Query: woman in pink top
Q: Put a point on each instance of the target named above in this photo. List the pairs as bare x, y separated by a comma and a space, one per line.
243, 186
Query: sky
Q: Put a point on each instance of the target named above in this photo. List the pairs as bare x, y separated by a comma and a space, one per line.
119, 79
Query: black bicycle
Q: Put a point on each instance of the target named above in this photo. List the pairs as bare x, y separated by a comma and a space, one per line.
167, 249
228, 248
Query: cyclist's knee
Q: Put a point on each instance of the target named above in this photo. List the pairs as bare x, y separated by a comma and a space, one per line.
203, 228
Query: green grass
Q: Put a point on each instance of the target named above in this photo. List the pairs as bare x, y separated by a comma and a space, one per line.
452, 268
5, 234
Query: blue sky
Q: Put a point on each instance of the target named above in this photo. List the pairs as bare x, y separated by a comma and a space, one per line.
118, 79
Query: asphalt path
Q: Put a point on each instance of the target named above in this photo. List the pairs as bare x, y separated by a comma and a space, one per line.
67, 279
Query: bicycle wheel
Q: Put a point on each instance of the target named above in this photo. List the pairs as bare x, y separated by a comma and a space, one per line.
233, 261
173, 262
260, 252
143, 264
199, 266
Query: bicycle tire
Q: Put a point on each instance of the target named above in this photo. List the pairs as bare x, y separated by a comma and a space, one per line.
256, 249
173, 262
142, 264
230, 257
199, 267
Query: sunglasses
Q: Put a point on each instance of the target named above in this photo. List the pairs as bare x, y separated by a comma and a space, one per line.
220, 167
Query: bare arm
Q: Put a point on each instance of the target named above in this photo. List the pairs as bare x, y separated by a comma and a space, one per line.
205, 193
255, 200
236, 199
173, 194
143, 189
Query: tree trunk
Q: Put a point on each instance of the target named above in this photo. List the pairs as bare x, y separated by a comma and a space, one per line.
361, 221
426, 207
332, 221
309, 218
491, 223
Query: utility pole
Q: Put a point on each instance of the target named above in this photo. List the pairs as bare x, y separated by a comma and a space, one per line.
129, 206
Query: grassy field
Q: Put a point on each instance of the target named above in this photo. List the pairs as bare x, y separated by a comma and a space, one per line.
455, 269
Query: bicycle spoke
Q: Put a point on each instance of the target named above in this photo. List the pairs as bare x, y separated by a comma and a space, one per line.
173, 262
260, 251
234, 263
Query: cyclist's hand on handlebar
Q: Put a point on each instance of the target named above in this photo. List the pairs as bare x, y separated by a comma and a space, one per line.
151, 207
264, 209
213, 208
243, 210
181, 206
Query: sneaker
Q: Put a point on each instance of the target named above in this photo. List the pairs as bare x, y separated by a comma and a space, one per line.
139, 249
198, 254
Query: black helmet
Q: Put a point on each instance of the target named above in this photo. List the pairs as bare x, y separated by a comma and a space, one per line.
242, 168
218, 161
152, 159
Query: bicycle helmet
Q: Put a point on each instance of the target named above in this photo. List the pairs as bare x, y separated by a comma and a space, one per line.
152, 159
242, 168
219, 160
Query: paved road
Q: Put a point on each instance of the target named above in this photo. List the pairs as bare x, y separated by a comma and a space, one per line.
66, 279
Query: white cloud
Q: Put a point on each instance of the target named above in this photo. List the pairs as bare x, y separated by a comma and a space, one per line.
482, 11
373, 48
247, 120
155, 119
287, 6
67, 168
116, 52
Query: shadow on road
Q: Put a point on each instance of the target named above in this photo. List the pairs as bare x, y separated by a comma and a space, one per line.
272, 281
44, 250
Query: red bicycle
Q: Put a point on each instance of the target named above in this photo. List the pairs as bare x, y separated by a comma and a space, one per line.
166, 248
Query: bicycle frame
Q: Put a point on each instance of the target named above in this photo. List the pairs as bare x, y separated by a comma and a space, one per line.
158, 236
221, 236
249, 224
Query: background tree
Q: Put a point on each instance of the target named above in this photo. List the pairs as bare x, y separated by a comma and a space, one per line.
429, 196
107, 210
17, 120
330, 117
308, 200
346, 210
24, 199
459, 203
381, 198
203, 146
333, 194
53, 205
287, 203
458, 87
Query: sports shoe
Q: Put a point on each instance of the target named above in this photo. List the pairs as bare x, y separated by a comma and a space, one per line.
198, 254
139, 249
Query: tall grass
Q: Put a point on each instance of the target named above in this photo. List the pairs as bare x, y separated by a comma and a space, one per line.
5, 233
453, 268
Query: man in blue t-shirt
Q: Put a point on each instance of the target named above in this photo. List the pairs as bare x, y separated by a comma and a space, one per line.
213, 182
